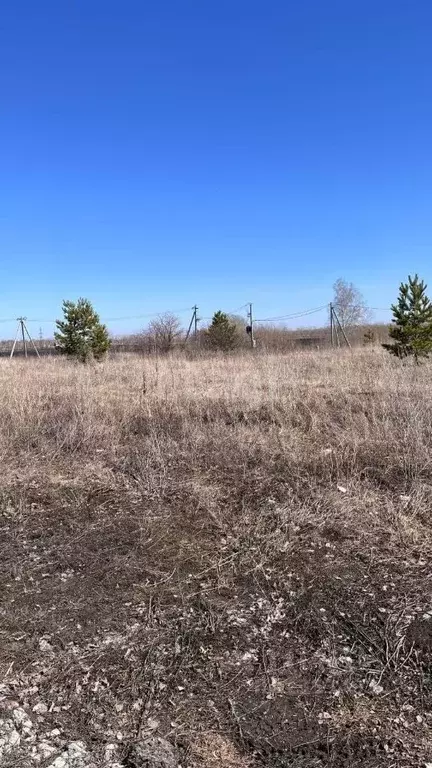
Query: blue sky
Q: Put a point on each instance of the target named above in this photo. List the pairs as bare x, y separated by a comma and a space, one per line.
157, 155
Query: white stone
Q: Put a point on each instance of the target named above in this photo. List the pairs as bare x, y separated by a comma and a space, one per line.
110, 751
45, 646
21, 718
75, 756
77, 753
46, 750
375, 687
60, 762
9, 737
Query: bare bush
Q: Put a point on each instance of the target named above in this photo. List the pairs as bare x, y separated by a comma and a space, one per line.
164, 332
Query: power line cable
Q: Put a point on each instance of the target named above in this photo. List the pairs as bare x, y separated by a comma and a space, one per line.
292, 316
112, 319
233, 311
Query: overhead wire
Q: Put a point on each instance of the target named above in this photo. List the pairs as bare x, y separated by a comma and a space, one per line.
292, 316
109, 319
275, 318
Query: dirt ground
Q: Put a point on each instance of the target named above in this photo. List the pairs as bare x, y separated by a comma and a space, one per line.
230, 555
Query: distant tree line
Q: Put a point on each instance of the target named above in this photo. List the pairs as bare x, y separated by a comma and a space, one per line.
80, 333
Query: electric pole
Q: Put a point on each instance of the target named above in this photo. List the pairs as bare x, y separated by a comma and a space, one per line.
334, 324
195, 319
24, 332
342, 330
250, 327
194, 323
331, 325
24, 340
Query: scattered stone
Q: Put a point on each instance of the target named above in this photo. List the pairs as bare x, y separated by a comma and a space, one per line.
45, 646
40, 708
9, 737
153, 752
46, 750
110, 752
75, 756
77, 753
375, 687
21, 718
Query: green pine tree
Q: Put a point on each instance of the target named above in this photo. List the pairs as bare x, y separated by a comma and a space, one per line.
222, 333
411, 328
81, 334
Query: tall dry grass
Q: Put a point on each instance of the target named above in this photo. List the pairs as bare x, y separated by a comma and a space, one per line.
233, 545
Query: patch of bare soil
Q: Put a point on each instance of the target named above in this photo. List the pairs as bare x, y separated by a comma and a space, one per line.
215, 591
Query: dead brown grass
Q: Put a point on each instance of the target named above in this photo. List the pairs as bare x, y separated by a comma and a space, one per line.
233, 553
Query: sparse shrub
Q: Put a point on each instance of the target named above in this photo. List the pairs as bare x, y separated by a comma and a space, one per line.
164, 332
369, 337
81, 334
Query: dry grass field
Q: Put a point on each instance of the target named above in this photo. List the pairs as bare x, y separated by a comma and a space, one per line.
232, 554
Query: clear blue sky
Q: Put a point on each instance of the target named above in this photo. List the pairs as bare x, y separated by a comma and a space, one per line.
158, 154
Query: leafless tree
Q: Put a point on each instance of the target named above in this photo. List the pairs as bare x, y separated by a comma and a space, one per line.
349, 304
164, 331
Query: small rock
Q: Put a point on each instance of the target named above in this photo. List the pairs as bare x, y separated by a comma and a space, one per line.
342, 488
60, 762
75, 756
375, 687
9, 737
153, 752
45, 646
40, 708
21, 718
110, 752
46, 750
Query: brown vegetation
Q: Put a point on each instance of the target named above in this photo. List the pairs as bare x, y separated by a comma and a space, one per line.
232, 553
165, 334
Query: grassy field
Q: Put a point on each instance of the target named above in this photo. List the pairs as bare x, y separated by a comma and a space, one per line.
232, 554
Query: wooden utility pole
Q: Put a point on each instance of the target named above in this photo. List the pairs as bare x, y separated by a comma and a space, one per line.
331, 325
250, 327
195, 317
24, 333
194, 323
342, 330
24, 340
